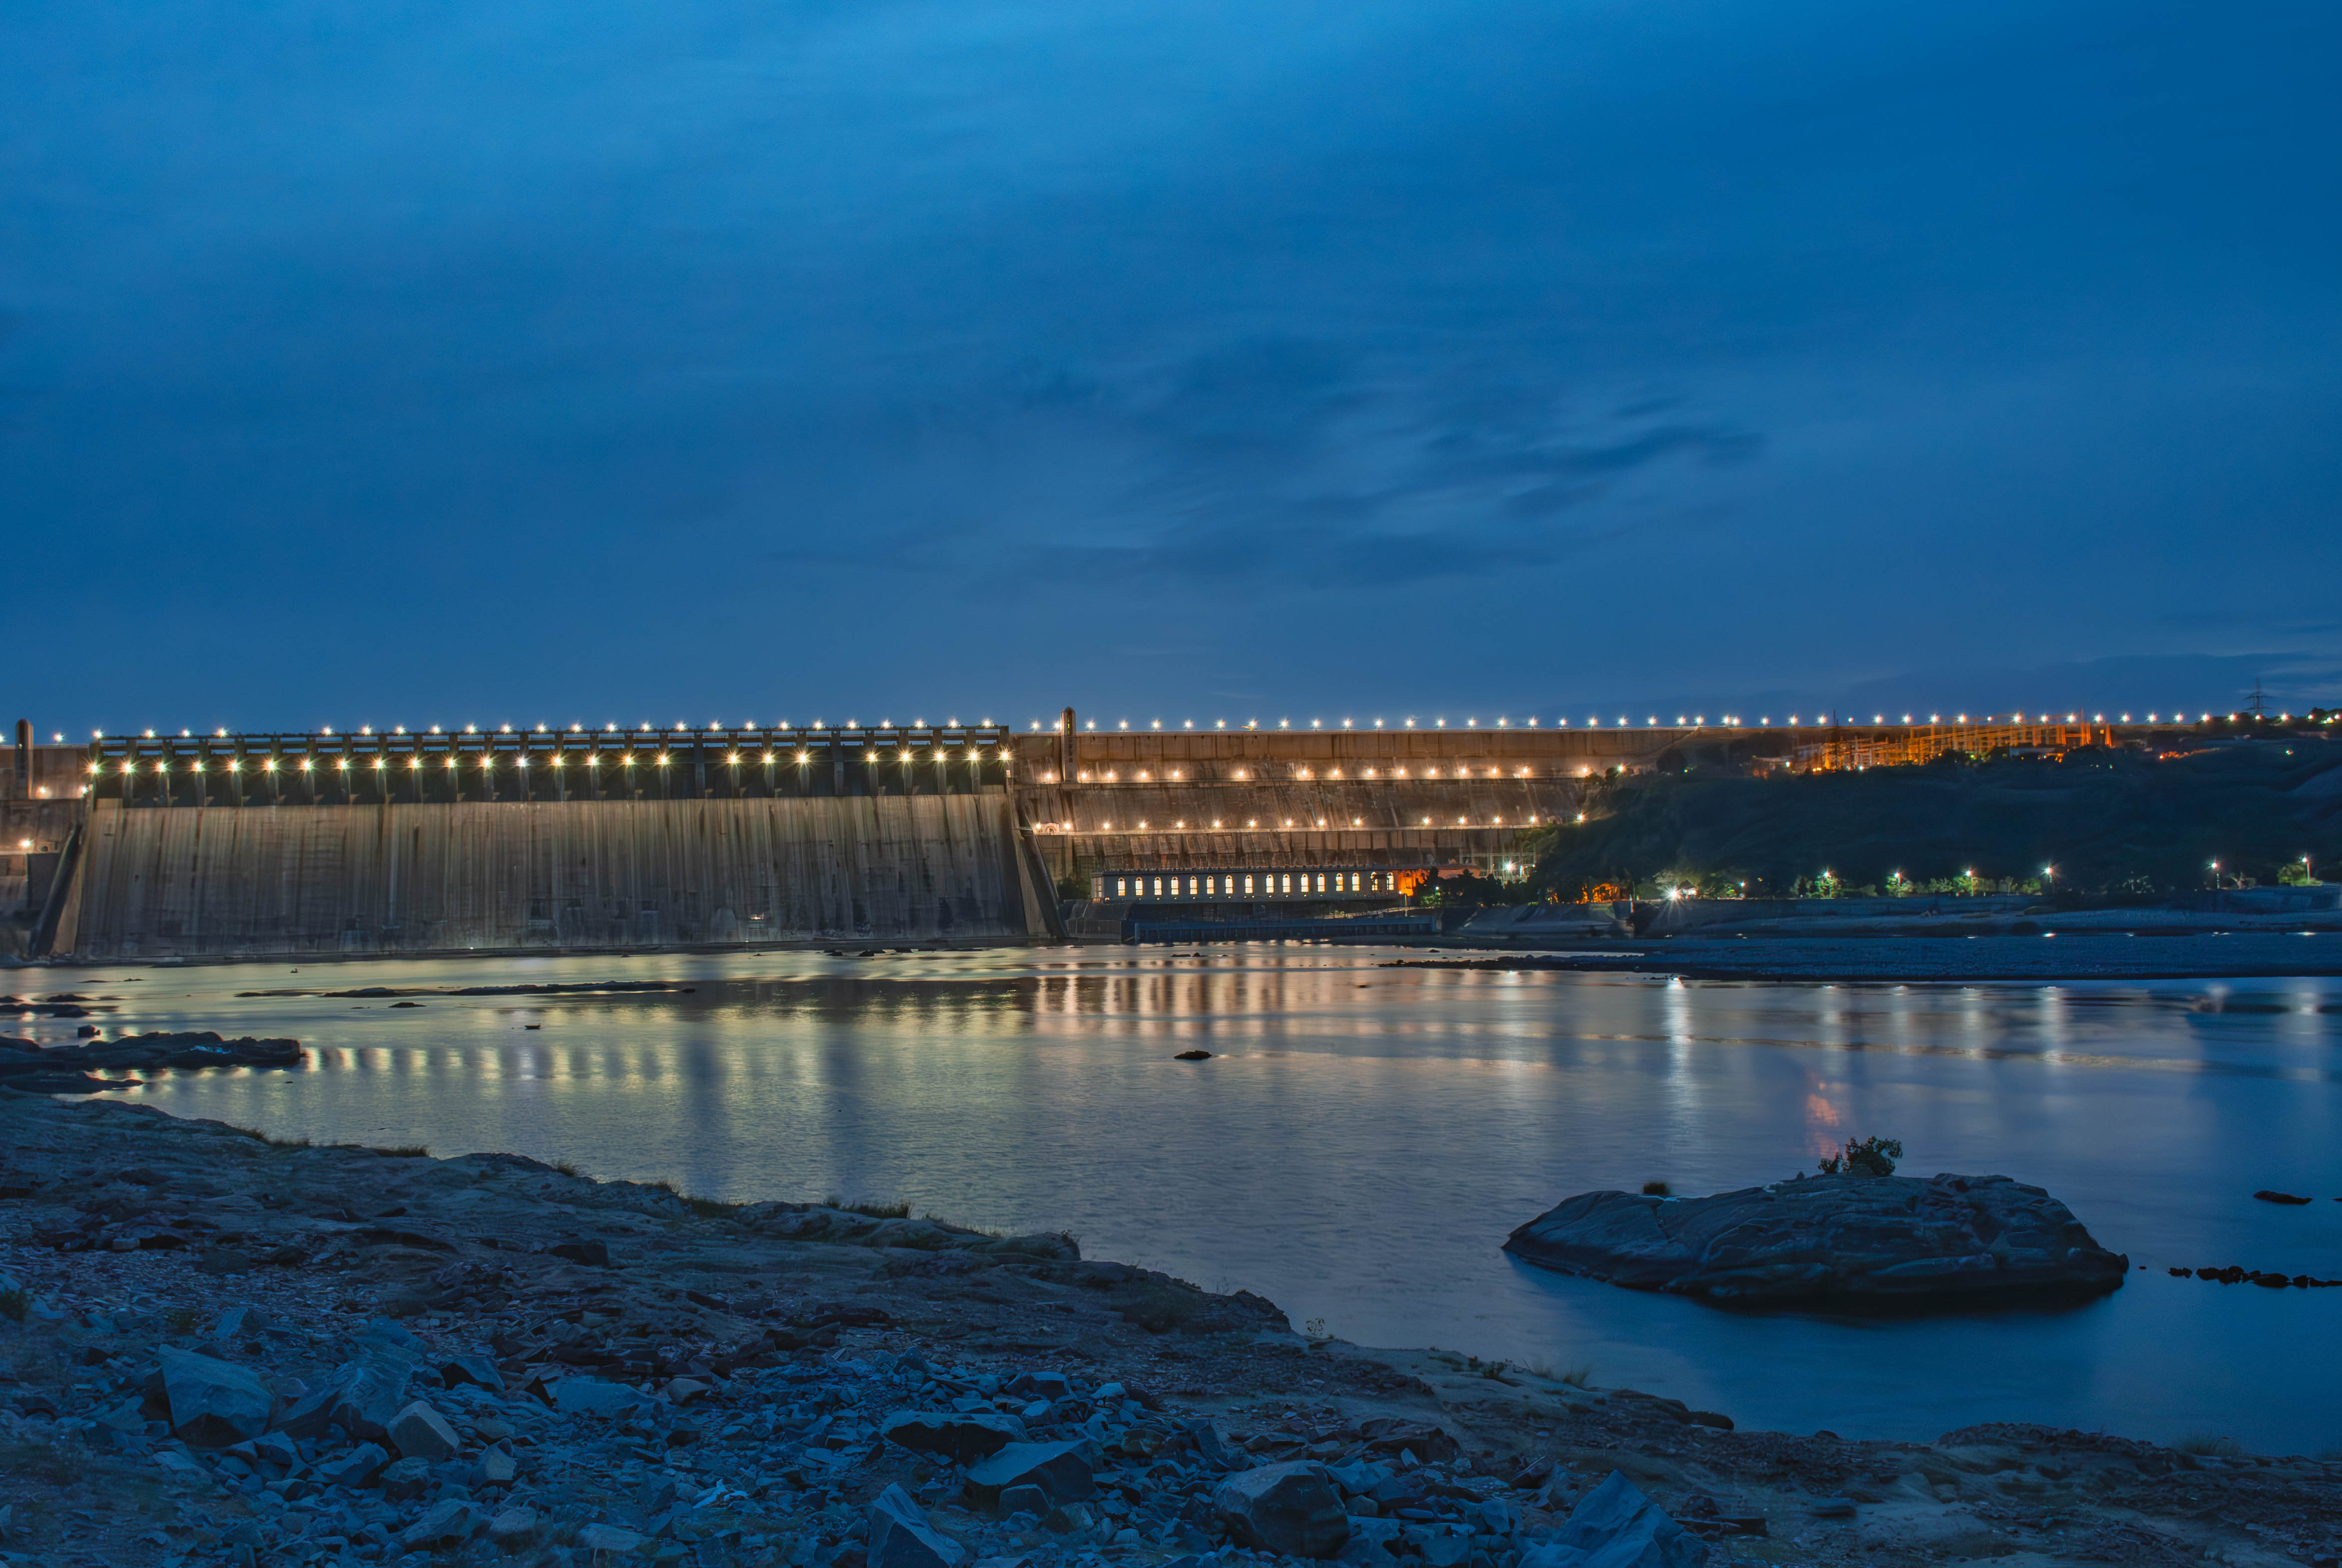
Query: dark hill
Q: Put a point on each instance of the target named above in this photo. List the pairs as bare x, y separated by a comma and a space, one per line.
2118, 822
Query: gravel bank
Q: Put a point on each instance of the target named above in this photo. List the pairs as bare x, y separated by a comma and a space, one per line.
214, 1349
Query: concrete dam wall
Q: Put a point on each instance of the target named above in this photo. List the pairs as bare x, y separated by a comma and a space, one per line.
225, 882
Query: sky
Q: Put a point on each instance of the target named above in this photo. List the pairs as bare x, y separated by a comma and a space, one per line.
713, 361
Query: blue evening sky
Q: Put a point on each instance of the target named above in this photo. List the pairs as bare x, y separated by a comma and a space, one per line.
426, 362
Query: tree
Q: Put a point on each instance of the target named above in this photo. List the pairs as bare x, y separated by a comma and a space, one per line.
1871, 1157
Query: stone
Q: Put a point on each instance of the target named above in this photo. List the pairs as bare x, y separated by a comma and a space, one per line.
354, 1469
1289, 1508
1068, 1519
901, 1537
498, 1468
443, 1521
1059, 1468
1437, 1547
241, 1320
404, 1479
593, 1396
1615, 1526
595, 1252
1943, 1240
472, 1367
214, 1402
384, 1341
514, 1523
1394, 1434
608, 1538
1042, 1385
965, 1435
422, 1433
367, 1399
1023, 1500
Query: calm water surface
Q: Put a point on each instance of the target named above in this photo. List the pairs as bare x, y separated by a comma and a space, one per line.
1365, 1137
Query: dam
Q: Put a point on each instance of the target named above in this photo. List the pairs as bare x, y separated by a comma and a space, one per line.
323, 843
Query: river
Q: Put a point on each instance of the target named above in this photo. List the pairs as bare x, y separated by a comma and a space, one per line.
1363, 1137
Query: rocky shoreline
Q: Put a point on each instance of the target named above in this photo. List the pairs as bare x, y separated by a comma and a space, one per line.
215, 1348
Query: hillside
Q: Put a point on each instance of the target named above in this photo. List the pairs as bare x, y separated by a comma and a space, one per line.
2116, 822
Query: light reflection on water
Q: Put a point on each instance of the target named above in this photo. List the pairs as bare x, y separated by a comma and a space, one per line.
1365, 1137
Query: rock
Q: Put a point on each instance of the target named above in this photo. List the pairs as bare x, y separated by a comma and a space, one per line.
1393, 1435
2267, 1196
405, 1478
1618, 1527
1290, 1508
1897, 1240
422, 1433
608, 1538
367, 1400
1059, 1468
472, 1367
241, 1320
224, 1261
1192, 1056
963, 1436
593, 1396
1023, 1500
498, 1468
514, 1523
354, 1469
214, 1402
1042, 1384
452, 1520
901, 1537
595, 1252
1436, 1548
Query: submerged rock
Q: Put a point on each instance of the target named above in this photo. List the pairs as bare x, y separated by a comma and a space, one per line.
1890, 1240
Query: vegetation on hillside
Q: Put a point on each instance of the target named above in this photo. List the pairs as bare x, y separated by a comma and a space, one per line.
2096, 821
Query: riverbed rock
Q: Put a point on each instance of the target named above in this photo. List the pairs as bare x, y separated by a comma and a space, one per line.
450, 1519
1289, 1508
963, 1436
1059, 1468
1890, 1240
422, 1433
594, 1396
367, 1399
1615, 1526
901, 1537
214, 1402
355, 1469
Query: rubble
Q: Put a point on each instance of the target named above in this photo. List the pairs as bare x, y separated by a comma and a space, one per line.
764, 1385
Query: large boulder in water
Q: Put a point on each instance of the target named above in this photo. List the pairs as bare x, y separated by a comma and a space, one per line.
1893, 1241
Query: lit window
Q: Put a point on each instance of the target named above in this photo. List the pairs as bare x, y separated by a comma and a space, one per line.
1247, 883
1120, 889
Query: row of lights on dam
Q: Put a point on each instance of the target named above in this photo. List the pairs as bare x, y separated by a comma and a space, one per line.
1729, 721
1254, 824
713, 727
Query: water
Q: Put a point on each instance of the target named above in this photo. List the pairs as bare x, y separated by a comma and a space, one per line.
1365, 1137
